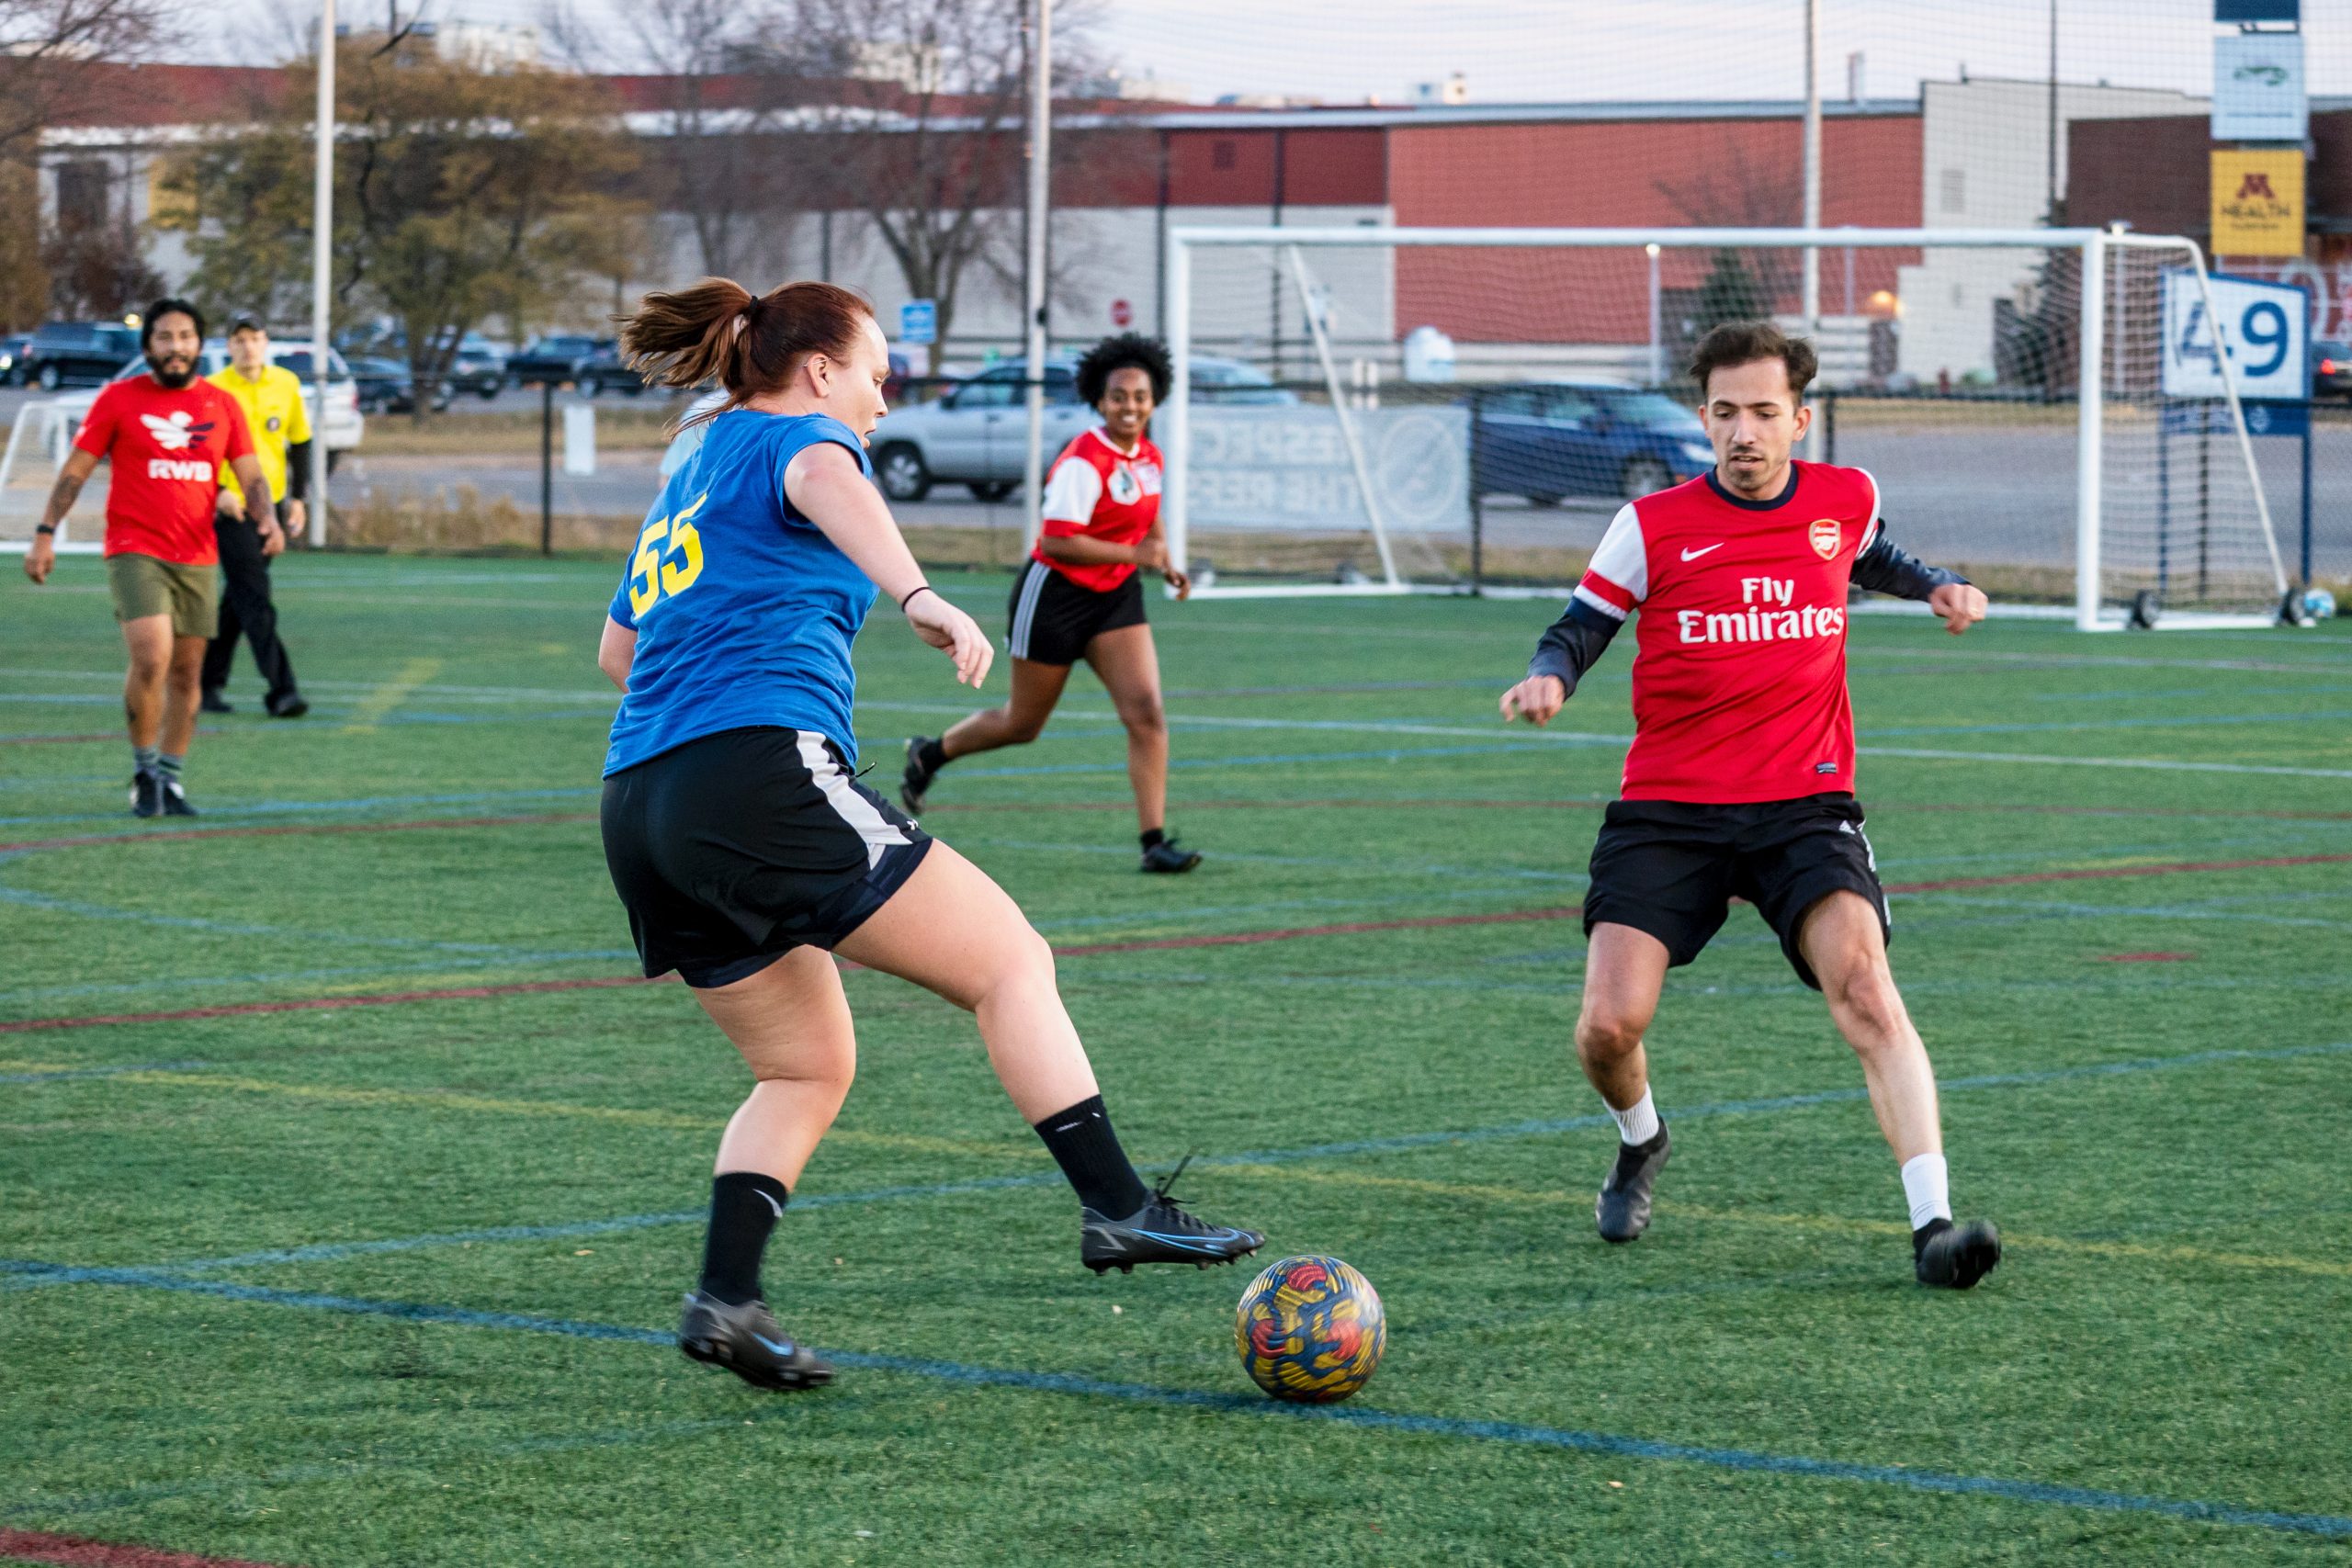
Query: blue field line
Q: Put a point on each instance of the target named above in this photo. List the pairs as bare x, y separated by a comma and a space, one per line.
2170, 721
28, 1275
171, 983
2185, 693
369, 803
55, 1074
1359, 1417
51, 904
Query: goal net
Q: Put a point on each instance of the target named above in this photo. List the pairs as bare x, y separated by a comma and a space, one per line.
2050, 410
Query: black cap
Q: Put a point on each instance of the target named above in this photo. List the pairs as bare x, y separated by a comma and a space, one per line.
246, 321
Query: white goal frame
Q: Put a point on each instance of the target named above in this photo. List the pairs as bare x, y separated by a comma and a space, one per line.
2093, 244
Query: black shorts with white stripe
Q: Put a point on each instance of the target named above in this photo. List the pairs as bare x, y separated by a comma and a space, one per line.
734, 850
1053, 619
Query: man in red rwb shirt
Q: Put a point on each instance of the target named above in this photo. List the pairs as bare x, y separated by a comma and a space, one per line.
1739, 782
1080, 595
167, 434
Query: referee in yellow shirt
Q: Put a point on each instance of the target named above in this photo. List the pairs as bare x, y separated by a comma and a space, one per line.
272, 398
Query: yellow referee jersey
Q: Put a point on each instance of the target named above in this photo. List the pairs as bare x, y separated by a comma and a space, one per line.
277, 415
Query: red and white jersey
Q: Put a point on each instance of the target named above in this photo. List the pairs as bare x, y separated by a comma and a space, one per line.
1098, 489
1739, 684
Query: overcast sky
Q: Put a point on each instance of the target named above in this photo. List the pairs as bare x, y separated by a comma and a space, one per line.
1554, 50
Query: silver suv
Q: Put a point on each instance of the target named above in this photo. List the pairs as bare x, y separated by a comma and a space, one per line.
977, 434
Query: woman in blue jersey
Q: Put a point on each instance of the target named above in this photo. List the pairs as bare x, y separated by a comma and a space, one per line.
736, 833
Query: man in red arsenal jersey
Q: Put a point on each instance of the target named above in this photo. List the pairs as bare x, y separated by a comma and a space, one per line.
1739, 782
167, 434
1080, 595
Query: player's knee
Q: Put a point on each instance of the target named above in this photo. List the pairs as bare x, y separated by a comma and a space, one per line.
1606, 1035
1144, 717
1020, 728
1867, 1002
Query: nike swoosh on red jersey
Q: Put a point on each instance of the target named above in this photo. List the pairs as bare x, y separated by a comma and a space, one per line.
1694, 555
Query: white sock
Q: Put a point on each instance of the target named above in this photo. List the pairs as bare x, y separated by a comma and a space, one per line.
1927, 1185
1638, 1122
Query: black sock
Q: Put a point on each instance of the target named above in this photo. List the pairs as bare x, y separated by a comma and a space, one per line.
744, 1207
1152, 836
931, 756
1082, 1144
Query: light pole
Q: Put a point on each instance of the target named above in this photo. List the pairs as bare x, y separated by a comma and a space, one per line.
321, 271
1812, 443
1657, 323
1041, 110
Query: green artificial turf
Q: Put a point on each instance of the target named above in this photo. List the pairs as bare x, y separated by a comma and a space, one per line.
2168, 1326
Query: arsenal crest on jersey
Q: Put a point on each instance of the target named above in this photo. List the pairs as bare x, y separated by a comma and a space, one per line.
1824, 533
1125, 488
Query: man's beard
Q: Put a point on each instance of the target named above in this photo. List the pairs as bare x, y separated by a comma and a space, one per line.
172, 379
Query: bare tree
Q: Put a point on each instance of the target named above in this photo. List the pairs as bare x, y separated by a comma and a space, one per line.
47, 48
716, 94
918, 127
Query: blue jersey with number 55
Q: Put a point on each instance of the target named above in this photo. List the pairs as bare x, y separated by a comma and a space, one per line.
743, 612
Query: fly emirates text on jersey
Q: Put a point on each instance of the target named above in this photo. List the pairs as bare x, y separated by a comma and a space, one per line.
1766, 614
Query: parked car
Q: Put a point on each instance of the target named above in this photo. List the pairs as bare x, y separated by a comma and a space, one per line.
386, 386
2330, 370
556, 359
1546, 440
604, 372
343, 426
478, 367
67, 352
12, 358
977, 434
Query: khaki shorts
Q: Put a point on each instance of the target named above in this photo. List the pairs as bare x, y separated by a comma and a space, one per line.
142, 585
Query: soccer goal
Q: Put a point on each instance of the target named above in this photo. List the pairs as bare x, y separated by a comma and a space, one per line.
2052, 410
39, 438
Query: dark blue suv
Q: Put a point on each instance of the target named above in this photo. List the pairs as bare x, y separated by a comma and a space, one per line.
1547, 440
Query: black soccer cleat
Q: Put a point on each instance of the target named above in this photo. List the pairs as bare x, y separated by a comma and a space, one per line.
1623, 1210
211, 701
915, 782
1164, 856
175, 800
746, 1341
1953, 1257
287, 704
146, 795
1160, 1232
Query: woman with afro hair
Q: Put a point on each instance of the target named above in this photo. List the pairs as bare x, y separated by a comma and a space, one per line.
1080, 595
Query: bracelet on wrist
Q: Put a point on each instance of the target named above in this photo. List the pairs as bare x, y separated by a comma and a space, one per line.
46, 528
918, 588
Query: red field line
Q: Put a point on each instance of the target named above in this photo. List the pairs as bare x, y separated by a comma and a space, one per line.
75, 1552
326, 1004
2101, 874
1352, 927
1226, 939
278, 830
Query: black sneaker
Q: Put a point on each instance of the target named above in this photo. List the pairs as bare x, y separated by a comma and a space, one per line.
146, 795
211, 701
1164, 856
746, 1341
915, 782
1160, 1232
1623, 1210
175, 799
1953, 1257
287, 704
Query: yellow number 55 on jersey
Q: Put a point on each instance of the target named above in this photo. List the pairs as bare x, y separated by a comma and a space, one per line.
668, 560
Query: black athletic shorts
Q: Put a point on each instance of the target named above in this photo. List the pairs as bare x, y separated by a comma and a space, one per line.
1052, 618
734, 850
1671, 868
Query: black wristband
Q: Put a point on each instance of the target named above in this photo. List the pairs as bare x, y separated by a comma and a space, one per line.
45, 528
918, 588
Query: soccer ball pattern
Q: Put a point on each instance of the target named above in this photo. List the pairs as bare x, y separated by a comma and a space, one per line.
1311, 1330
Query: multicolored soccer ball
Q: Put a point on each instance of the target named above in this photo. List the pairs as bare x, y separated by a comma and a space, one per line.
1311, 1330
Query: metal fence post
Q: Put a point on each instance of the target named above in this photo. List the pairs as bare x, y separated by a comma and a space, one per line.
2311, 414
1478, 501
546, 467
